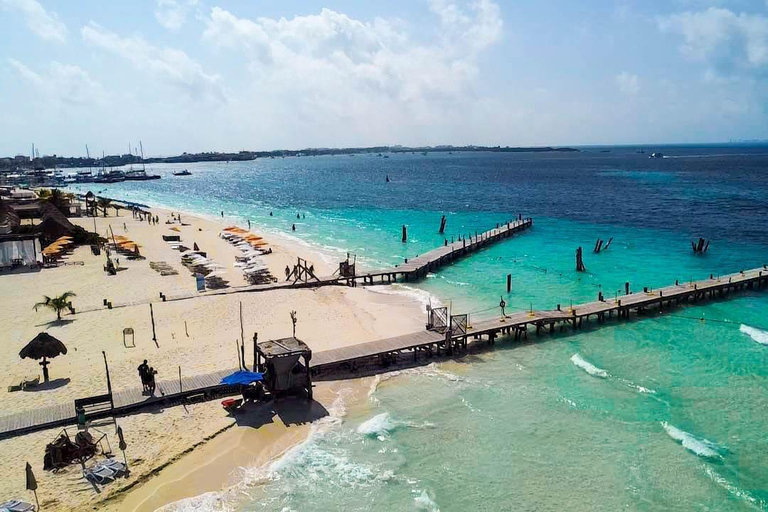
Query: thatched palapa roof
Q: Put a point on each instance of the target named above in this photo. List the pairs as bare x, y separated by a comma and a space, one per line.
43, 345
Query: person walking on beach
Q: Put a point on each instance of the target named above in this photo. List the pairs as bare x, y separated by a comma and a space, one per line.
144, 374
151, 380
125, 228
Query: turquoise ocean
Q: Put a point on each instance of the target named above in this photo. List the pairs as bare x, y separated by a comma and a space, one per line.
664, 413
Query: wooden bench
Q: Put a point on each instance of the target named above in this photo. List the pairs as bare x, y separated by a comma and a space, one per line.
94, 407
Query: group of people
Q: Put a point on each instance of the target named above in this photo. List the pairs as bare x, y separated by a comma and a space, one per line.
147, 374
140, 214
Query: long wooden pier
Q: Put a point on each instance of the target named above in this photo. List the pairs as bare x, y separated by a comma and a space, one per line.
418, 267
377, 355
411, 270
455, 335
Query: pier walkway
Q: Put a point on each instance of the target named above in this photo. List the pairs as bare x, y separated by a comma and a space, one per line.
448, 340
348, 360
125, 401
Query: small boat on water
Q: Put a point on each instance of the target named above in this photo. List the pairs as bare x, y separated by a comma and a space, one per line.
140, 175
182, 173
656, 155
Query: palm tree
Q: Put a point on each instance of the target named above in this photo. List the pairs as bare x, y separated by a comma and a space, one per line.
57, 304
104, 203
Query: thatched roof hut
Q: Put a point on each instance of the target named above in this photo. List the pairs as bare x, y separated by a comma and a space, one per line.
54, 224
9, 220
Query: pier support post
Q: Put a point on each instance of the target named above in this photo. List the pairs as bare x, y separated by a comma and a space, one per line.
579, 262
509, 283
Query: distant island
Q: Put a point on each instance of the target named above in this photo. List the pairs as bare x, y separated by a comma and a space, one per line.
47, 162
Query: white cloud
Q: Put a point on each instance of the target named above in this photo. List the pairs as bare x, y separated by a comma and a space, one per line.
172, 66
62, 84
44, 24
628, 83
332, 68
172, 14
722, 38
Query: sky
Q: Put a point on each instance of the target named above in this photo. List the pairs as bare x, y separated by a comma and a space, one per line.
228, 75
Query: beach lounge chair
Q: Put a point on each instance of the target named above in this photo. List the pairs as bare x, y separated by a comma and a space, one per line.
30, 382
16, 506
100, 475
115, 465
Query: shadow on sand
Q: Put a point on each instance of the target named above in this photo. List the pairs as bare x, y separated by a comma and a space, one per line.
291, 411
51, 384
56, 323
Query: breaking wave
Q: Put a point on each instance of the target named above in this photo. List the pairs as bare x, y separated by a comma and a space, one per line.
381, 425
699, 446
421, 296
756, 334
588, 367
741, 494
424, 502
208, 502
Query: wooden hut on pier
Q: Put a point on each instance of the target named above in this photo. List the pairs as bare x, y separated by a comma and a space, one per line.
281, 363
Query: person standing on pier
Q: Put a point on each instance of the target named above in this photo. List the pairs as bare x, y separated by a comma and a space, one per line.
502, 305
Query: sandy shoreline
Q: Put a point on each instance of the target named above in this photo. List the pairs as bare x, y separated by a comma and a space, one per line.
197, 335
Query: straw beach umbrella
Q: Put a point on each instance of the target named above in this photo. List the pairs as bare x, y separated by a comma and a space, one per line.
43, 346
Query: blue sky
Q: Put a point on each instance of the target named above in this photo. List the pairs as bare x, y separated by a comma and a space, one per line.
197, 75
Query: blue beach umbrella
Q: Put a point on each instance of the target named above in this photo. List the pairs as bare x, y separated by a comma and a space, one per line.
243, 378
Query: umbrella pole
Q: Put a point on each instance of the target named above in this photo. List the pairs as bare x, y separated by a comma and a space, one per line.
36, 500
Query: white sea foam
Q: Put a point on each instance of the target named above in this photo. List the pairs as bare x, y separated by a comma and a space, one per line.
421, 296
741, 494
643, 390
379, 426
208, 502
305, 457
311, 463
699, 446
588, 367
756, 334
424, 502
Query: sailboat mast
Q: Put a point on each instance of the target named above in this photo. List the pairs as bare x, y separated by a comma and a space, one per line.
142, 155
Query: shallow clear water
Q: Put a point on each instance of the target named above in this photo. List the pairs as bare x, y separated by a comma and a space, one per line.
663, 413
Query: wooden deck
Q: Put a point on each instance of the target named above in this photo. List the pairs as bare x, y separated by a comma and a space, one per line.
126, 401
518, 324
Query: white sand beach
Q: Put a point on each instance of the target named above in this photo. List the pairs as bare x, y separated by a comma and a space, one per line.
197, 334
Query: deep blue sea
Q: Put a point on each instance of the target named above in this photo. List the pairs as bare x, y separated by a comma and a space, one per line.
664, 413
